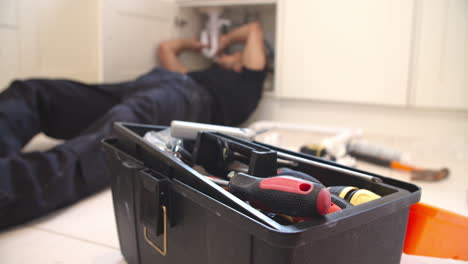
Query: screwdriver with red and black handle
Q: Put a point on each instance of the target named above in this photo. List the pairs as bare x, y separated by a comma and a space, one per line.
281, 194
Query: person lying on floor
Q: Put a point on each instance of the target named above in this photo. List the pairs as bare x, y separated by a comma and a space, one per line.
36, 183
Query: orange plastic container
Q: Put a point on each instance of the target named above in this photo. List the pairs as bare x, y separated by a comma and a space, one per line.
436, 232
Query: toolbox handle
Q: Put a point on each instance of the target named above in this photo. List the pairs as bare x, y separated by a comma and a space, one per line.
163, 251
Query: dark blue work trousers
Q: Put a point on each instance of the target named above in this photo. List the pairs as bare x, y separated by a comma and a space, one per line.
33, 184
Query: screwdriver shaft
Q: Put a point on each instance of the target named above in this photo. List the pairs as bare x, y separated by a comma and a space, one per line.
326, 166
222, 183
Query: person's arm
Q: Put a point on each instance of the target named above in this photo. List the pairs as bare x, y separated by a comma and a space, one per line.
168, 52
251, 35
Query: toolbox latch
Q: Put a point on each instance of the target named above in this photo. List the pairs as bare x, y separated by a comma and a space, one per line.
162, 251
153, 207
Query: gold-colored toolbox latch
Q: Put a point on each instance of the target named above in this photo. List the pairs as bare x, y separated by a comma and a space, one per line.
163, 251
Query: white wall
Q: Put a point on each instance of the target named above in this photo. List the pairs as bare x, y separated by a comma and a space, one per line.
48, 38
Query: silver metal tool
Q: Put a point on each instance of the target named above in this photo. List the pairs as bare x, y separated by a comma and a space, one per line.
330, 167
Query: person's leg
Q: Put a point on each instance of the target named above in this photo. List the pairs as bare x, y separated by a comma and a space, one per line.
33, 184
63, 108
59, 108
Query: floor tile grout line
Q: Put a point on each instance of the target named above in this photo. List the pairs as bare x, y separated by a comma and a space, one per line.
74, 237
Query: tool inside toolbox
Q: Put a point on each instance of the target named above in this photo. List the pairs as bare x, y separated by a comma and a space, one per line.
219, 155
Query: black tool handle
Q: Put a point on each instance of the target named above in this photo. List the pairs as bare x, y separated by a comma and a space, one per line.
298, 174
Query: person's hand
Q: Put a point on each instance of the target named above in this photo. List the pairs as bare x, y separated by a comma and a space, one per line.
196, 45
222, 44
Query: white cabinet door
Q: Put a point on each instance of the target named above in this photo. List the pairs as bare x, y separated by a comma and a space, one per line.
198, 3
348, 51
9, 53
441, 60
48, 38
67, 35
131, 31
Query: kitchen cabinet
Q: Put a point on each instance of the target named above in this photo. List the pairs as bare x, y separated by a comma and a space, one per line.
440, 77
345, 51
48, 38
198, 3
383, 52
131, 30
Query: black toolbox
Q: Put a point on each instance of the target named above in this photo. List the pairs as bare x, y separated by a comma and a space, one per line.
166, 212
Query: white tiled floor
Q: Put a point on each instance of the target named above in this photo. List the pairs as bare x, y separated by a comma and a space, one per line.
32, 245
86, 233
90, 220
